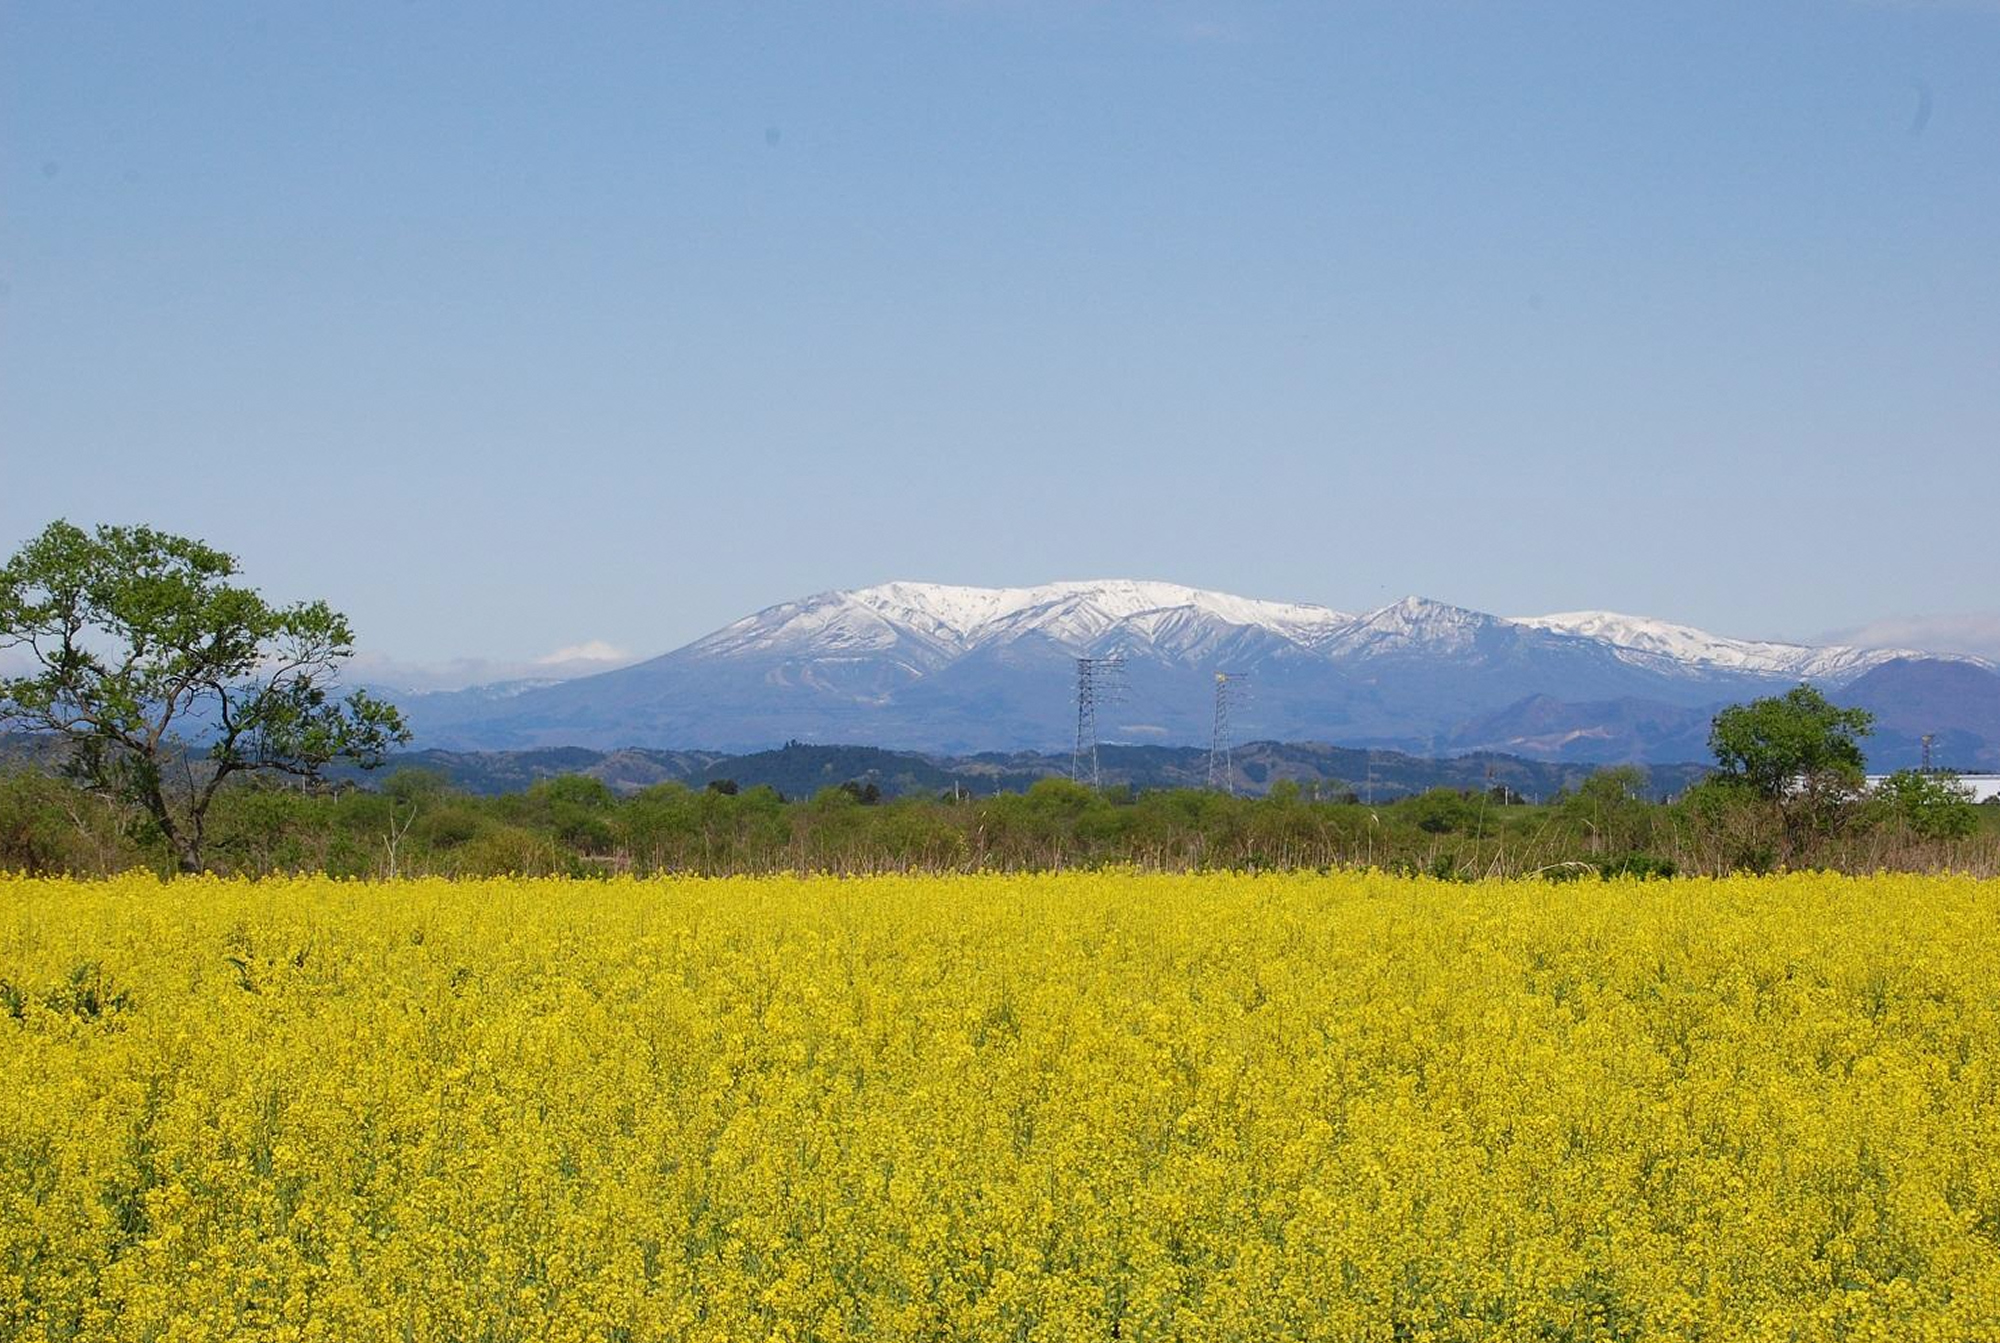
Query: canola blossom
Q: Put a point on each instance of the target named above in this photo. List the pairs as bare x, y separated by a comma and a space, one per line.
1076, 1106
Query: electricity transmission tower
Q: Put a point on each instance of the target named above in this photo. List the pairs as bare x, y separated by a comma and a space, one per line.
1099, 680
1221, 753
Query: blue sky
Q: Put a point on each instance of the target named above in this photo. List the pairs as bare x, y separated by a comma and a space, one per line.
515, 328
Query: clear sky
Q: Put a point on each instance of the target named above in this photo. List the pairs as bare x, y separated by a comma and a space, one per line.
510, 328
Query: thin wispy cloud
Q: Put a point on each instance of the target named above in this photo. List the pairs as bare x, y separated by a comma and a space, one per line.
1207, 30
1189, 23
1977, 6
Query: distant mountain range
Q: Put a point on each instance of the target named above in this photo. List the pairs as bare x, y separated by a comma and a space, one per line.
959, 670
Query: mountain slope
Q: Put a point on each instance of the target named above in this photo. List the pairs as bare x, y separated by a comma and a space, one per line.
1606, 731
1957, 703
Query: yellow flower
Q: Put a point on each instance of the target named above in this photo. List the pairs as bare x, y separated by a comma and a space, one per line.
1176, 1107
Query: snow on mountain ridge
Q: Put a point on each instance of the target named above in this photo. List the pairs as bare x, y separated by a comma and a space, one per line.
1412, 622
1077, 612
1645, 641
927, 625
826, 623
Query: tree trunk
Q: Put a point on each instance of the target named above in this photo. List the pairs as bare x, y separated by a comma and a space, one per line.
185, 843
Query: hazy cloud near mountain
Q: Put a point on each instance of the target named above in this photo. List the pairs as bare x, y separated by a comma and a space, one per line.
582, 659
1974, 632
591, 654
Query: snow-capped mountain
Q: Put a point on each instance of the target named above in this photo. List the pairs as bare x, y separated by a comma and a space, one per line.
937, 667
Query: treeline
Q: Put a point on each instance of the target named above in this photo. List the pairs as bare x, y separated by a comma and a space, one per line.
416, 824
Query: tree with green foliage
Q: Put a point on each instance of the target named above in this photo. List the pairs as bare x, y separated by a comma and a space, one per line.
1610, 808
576, 807
1930, 805
1444, 811
1799, 739
164, 678
1799, 753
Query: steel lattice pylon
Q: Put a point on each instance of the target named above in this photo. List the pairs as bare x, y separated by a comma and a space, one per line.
1221, 751
1098, 681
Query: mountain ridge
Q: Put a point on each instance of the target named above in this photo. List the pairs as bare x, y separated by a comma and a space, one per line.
939, 667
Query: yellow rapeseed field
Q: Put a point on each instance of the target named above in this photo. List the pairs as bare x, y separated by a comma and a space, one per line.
1053, 1107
